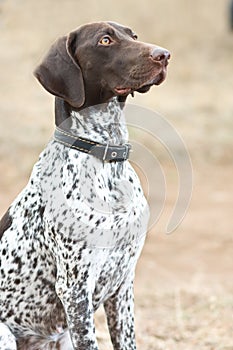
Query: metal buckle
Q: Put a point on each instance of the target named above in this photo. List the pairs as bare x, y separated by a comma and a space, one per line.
126, 152
114, 154
105, 152
128, 149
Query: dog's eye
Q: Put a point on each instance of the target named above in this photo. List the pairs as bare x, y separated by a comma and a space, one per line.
135, 37
106, 40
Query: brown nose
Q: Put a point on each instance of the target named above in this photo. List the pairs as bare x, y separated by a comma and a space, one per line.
159, 54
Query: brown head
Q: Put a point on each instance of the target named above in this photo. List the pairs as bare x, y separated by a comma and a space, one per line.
98, 61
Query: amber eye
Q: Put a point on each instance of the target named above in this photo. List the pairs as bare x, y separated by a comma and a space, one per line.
106, 40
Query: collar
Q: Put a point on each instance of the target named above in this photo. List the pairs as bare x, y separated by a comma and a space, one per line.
106, 153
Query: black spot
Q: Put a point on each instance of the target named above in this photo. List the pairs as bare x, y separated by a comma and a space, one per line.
39, 273
97, 223
41, 211
17, 320
18, 261
70, 167
64, 212
10, 313
5, 223
75, 184
34, 265
69, 195
109, 185
25, 227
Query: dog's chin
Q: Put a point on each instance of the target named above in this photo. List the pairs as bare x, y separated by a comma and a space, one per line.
145, 87
156, 81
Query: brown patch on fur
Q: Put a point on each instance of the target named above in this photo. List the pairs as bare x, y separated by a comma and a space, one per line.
37, 343
5, 223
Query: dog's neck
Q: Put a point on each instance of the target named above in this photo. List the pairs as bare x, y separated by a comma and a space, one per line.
104, 123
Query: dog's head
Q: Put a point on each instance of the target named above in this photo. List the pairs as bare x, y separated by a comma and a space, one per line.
100, 60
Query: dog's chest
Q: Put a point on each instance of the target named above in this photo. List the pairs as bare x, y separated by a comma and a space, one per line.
96, 217
88, 200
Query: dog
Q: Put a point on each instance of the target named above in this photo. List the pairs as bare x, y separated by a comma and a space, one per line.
71, 240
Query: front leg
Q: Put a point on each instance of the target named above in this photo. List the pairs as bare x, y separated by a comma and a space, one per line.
80, 317
119, 309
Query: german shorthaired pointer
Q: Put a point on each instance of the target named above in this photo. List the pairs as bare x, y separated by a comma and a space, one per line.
71, 239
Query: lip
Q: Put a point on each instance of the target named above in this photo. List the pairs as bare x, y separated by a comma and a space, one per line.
122, 91
157, 80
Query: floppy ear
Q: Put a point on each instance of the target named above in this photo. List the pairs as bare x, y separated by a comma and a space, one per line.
60, 74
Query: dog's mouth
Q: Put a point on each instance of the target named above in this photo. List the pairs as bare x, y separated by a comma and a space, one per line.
144, 87
156, 81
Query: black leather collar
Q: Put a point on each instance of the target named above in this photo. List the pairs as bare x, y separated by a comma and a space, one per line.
107, 153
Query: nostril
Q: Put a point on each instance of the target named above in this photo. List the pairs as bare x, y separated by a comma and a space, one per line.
160, 55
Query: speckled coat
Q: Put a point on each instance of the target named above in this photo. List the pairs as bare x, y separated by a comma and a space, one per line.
71, 242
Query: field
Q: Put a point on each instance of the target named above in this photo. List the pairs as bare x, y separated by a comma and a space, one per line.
184, 281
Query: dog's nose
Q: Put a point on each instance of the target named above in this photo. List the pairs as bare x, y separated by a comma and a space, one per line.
159, 54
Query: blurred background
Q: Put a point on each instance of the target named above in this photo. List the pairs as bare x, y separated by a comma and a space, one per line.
184, 281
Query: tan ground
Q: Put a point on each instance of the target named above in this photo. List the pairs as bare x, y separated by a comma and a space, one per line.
184, 281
